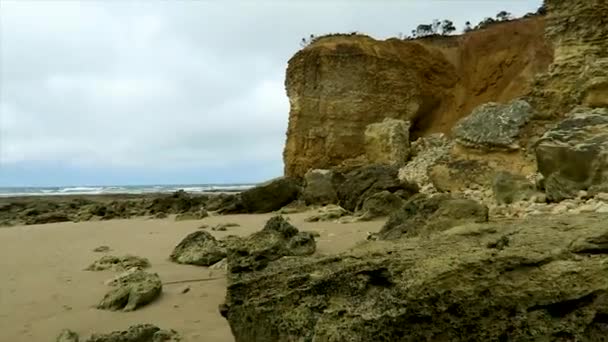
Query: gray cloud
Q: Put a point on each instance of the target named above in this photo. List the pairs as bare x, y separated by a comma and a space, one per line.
151, 84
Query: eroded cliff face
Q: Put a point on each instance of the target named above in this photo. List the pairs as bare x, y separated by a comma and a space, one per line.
340, 85
578, 30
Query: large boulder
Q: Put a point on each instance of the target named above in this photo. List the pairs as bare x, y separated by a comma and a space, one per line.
199, 248
131, 290
493, 125
329, 212
380, 204
270, 196
366, 181
225, 204
424, 214
510, 188
573, 155
278, 239
542, 279
388, 142
320, 187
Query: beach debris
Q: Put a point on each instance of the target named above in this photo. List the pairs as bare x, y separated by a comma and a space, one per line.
185, 289
135, 333
131, 290
118, 263
102, 249
222, 227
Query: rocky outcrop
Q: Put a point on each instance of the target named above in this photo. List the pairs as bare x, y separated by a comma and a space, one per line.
320, 187
366, 181
493, 126
278, 239
509, 188
579, 74
199, 248
381, 204
573, 156
423, 215
388, 142
131, 290
340, 85
270, 196
541, 279
329, 212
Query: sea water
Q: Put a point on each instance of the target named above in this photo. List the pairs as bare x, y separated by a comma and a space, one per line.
123, 189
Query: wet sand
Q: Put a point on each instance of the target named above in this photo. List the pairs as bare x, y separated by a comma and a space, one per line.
44, 288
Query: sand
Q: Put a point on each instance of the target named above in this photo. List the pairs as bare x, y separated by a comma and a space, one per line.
44, 288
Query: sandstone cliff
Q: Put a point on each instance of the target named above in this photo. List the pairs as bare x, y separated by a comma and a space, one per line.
578, 31
339, 85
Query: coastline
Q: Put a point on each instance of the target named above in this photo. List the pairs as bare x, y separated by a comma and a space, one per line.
45, 277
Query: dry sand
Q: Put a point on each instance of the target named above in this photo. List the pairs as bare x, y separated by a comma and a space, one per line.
44, 288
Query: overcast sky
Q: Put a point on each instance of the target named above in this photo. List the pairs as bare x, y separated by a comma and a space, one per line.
148, 92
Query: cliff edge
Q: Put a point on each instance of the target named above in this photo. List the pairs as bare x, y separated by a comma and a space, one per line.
339, 85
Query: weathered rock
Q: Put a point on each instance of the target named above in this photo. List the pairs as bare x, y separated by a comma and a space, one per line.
381, 204
425, 153
67, 335
101, 249
509, 188
193, 215
327, 213
388, 142
362, 183
198, 248
270, 196
137, 333
573, 156
542, 279
493, 125
115, 263
225, 204
424, 215
320, 187
222, 227
278, 239
131, 290
48, 218
176, 203
463, 168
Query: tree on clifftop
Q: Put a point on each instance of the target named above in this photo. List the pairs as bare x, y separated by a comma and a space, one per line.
503, 16
447, 27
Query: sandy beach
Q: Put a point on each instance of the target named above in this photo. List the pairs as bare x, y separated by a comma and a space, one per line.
44, 288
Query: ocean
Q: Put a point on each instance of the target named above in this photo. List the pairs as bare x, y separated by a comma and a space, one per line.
123, 189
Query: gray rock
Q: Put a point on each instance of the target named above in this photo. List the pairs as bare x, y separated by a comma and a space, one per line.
270, 196
137, 333
366, 181
388, 142
198, 248
539, 279
110, 262
510, 188
493, 125
320, 187
422, 214
278, 239
131, 290
573, 155
381, 204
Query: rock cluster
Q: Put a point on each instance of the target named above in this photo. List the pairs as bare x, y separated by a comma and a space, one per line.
536, 279
131, 290
135, 333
